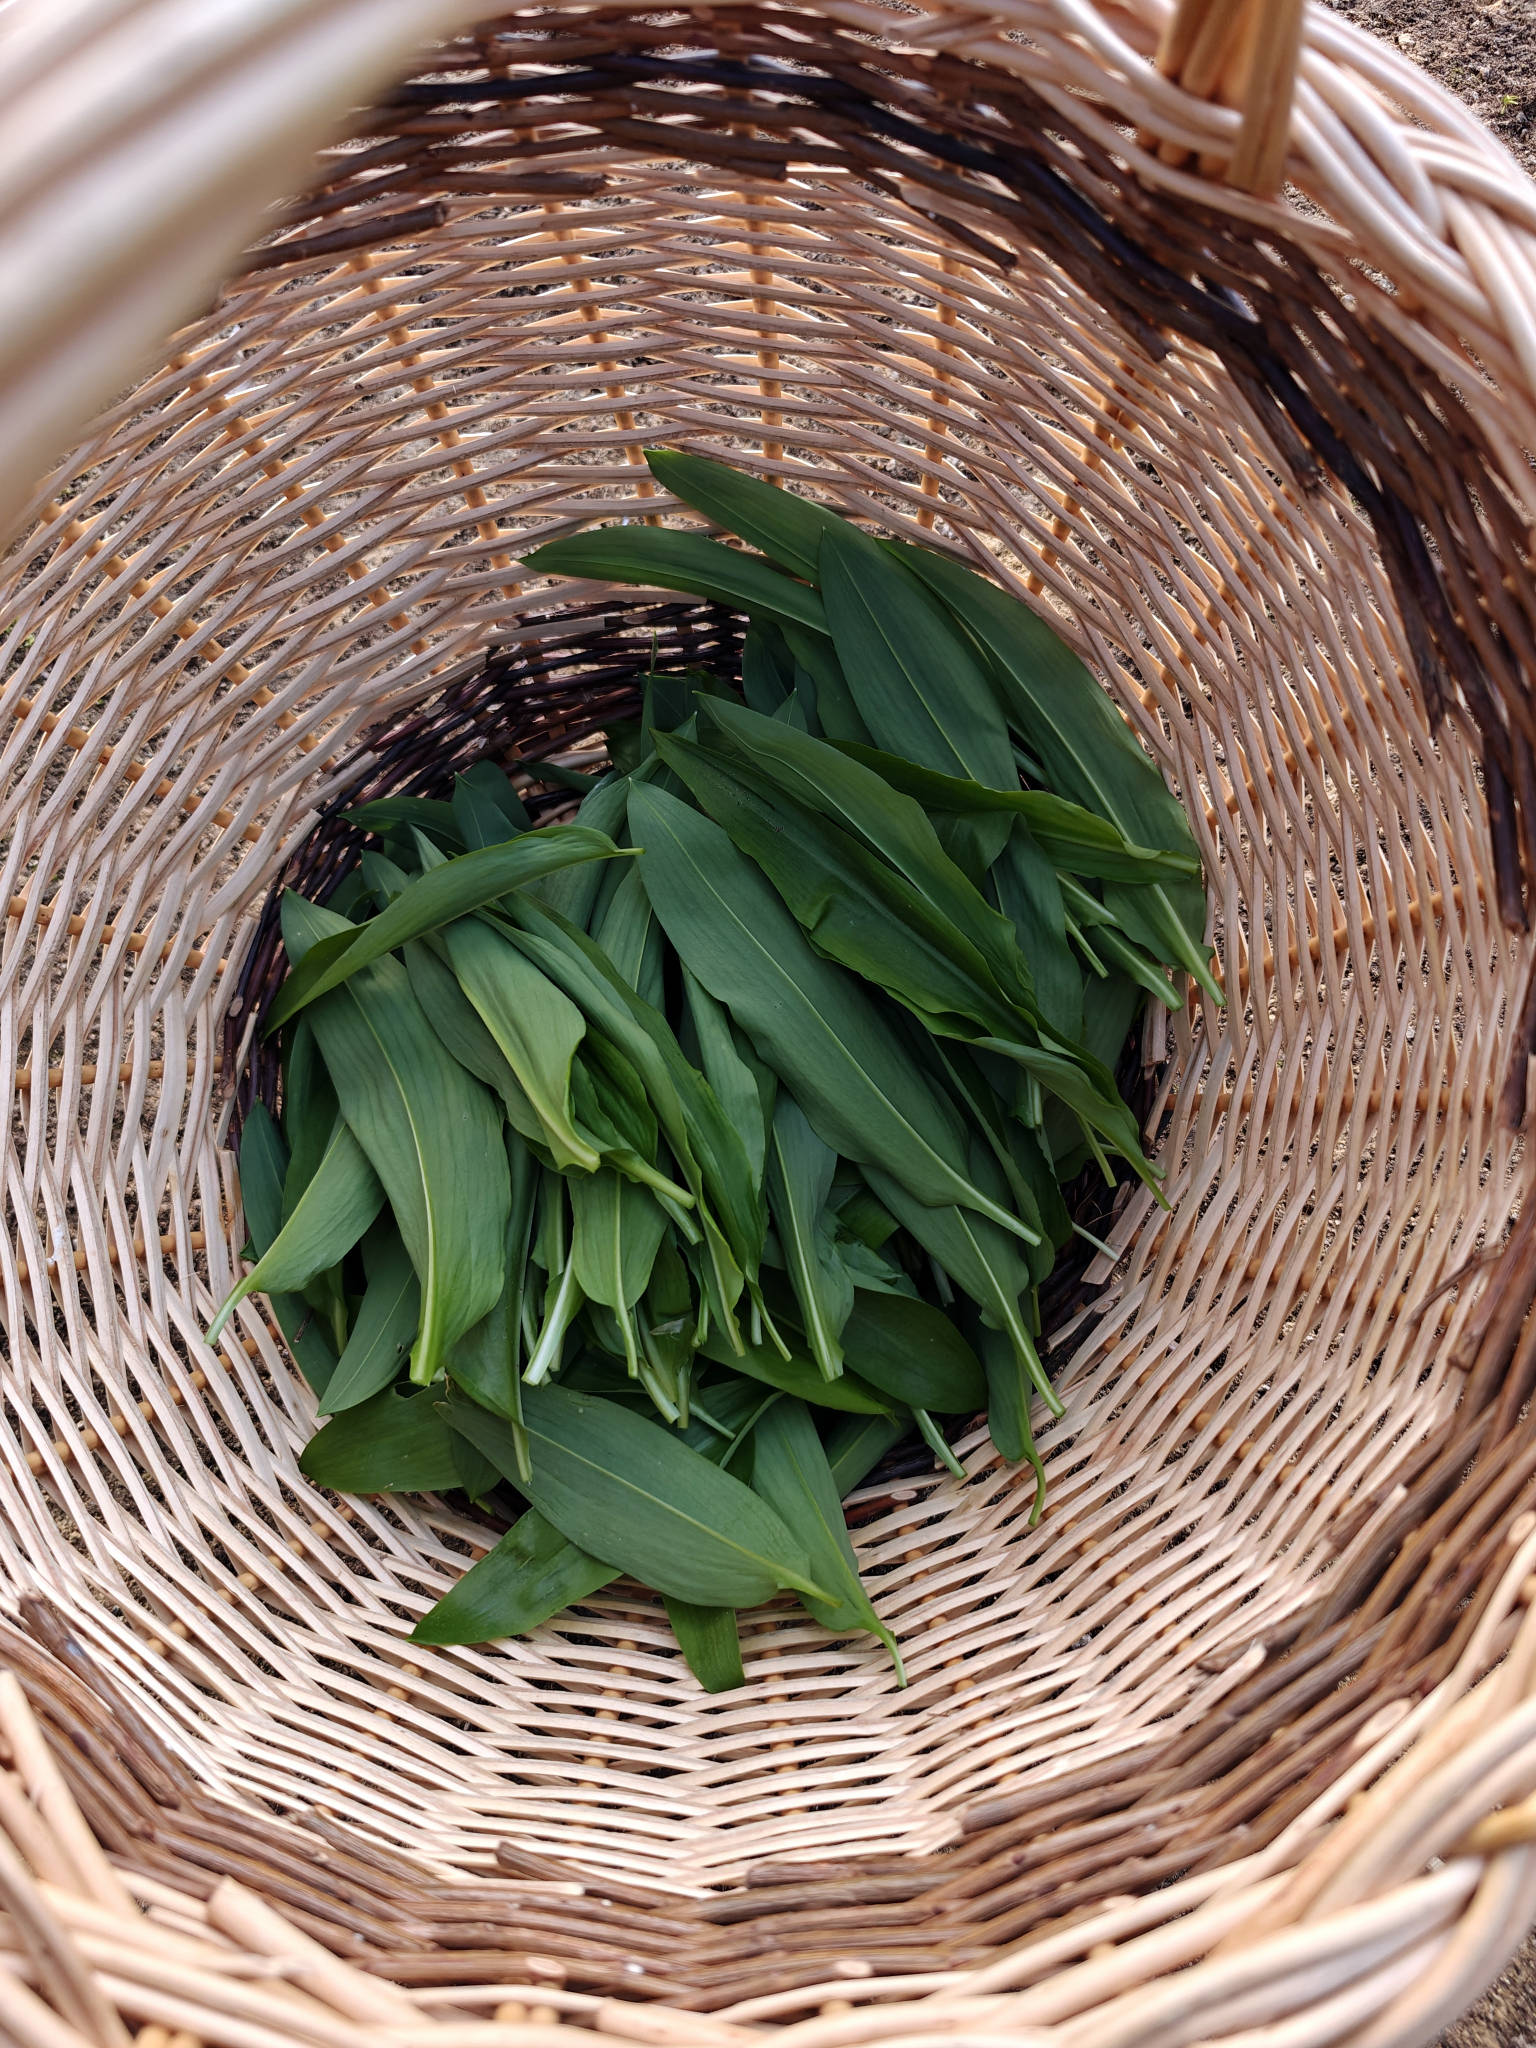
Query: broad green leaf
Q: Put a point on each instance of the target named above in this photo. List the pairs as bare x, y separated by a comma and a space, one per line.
628, 933
384, 878
736, 1085
536, 1028
767, 669
386, 1323
667, 1318
819, 676
572, 891
800, 1174
1029, 896
331, 1215
462, 1029
1134, 964
610, 1107
846, 1395
725, 1408
808, 1019
617, 1230
862, 1217
790, 1471
918, 687
398, 813
1009, 1388
710, 1643
856, 1446
263, 1167
853, 906
912, 1352
309, 1112
978, 1258
531, 1575
1078, 840
487, 1360
433, 1136
486, 808
474, 1472
628, 1491
435, 899
394, 1443
785, 528
832, 783
663, 558
1088, 753
707, 1149
1109, 1017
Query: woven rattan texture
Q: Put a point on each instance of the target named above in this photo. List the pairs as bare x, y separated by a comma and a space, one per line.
1285, 558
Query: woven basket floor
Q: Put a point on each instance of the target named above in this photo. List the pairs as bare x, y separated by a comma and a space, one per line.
1275, 519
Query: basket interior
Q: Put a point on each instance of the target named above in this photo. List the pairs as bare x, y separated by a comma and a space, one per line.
294, 538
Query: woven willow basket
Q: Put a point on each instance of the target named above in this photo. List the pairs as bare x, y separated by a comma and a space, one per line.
1238, 1746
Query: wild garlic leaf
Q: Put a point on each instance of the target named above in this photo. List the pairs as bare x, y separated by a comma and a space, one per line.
628, 1491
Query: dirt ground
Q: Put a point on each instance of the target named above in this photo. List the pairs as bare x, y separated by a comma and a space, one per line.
1485, 50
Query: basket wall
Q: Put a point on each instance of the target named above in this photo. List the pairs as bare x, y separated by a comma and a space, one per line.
973, 329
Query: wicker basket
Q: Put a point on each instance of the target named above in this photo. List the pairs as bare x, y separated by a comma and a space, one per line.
1238, 1746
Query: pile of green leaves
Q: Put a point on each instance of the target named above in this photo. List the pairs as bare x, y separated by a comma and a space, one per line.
667, 1166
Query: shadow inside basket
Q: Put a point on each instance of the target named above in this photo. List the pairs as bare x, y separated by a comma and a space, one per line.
549, 692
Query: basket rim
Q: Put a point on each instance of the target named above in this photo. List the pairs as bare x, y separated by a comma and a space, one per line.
1315, 1909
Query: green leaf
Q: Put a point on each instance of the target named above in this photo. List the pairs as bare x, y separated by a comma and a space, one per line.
856, 1446
911, 1351
393, 1443
736, 1086
309, 1112
536, 1028
1079, 840
388, 814
628, 1491
433, 1137
1029, 896
854, 907
461, 1028
826, 780
708, 1151
918, 687
572, 891
663, 558
819, 677
617, 1230
329, 1218
800, 1174
487, 1359
767, 669
847, 1394
787, 529
1009, 1388
790, 1471
628, 933
486, 808
1088, 753
711, 1646
386, 1323
978, 1258
531, 1575
435, 899
808, 1019
263, 1167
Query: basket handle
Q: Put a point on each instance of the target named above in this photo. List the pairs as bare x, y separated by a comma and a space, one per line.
1243, 53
